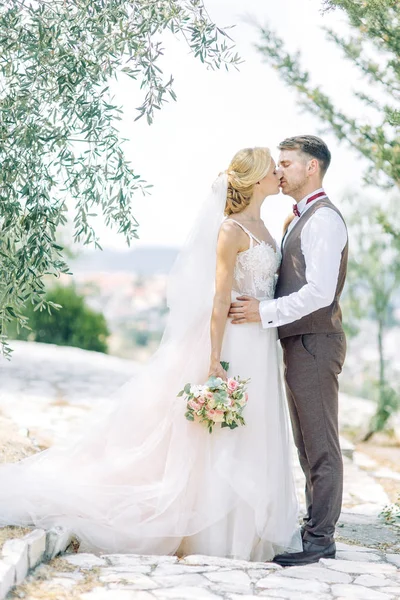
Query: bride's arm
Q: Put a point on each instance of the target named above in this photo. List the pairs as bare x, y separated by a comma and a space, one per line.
229, 244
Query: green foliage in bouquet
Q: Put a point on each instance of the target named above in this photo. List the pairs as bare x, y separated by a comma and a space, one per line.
73, 323
217, 401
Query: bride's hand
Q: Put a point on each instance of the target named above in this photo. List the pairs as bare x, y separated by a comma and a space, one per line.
216, 370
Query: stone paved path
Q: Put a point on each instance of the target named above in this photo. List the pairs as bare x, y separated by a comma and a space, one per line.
48, 391
357, 573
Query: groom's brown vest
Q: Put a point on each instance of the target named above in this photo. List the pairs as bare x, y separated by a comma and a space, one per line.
292, 277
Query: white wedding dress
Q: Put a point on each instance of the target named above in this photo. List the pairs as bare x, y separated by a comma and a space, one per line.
145, 480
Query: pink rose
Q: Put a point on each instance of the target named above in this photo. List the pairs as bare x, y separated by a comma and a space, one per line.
201, 400
232, 385
215, 415
193, 404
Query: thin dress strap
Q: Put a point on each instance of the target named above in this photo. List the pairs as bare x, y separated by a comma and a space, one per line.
251, 235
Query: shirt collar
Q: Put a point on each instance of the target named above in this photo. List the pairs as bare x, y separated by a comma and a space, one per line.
303, 206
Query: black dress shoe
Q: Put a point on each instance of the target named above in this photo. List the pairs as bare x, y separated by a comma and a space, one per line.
311, 554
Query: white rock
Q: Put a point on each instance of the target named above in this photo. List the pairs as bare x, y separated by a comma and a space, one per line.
57, 540
256, 574
217, 561
135, 581
137, 559
185, 593
7, 578
85, 561
231, 581
394, 558
241, 597
347, 566
65, 582
316, 573
279, 582
179, 569
36, 547
293, 595
15, 552
364, 461
340, 546
372, 581
358, 592
265, 565
183, 580
103, 594
359, 556
393, 590
135, 569
386, 473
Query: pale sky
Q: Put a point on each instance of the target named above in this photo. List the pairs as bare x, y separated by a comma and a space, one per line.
217, 113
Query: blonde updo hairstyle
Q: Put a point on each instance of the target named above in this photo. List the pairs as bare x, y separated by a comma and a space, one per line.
247, 167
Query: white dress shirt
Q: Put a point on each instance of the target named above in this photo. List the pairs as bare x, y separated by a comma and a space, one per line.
323, 238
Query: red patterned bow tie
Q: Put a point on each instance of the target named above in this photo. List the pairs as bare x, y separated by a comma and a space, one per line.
311, 199
296, 210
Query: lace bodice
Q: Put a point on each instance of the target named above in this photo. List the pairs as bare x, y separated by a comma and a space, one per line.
255, 268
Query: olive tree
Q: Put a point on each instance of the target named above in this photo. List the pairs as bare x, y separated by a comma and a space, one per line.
59, 141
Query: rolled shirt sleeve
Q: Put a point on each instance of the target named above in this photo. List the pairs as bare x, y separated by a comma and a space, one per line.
322, 241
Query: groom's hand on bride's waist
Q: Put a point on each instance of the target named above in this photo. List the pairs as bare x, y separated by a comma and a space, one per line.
244, 310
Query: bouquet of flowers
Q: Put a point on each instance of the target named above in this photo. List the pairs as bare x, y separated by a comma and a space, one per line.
217, 401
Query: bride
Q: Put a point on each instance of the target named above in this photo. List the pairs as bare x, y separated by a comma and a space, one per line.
145, 480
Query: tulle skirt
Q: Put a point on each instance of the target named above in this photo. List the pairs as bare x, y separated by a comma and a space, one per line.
144, 480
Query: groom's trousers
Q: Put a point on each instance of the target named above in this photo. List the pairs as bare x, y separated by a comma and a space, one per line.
312, 365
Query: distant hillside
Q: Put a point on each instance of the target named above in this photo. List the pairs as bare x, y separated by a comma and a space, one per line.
143, 261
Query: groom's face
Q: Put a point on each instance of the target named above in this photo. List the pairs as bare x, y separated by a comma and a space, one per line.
293, 168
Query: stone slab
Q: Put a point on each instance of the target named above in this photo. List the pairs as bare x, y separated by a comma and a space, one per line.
358, 568
358, 592
340, 546
373, 581
7, 578
185, 593
394, 559
293, 595
182, 580
103, 594
358, 556
199, 559
316, 573
138, 559
15, 552
279, 582
135, 580
36, 547
57, 540
85, 560
230, 581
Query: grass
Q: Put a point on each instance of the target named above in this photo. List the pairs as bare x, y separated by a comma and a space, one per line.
11, 533
39, 585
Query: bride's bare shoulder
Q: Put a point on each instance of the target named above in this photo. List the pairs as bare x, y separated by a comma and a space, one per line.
231, 229
232, 236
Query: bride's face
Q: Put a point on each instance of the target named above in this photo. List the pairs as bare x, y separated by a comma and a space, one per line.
269, 185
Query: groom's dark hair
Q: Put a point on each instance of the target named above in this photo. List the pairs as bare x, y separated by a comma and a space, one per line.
311, 145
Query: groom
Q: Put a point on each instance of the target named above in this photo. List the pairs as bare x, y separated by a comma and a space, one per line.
307, 314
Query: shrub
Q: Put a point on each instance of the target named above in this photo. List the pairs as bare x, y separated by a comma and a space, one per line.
74, 324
